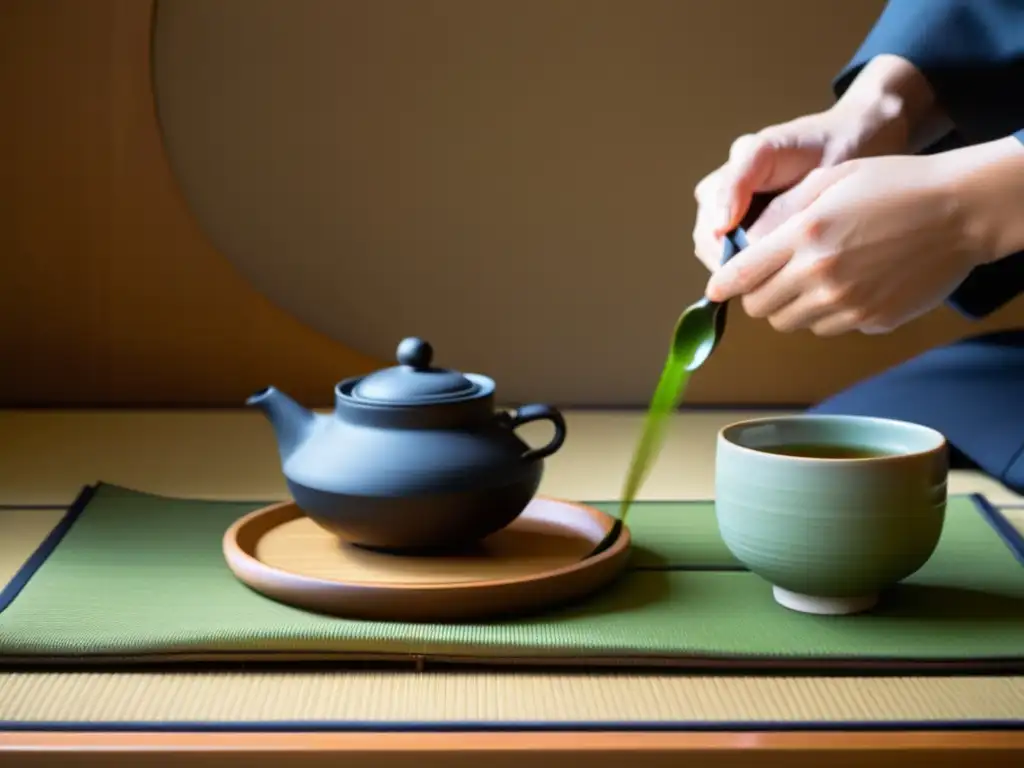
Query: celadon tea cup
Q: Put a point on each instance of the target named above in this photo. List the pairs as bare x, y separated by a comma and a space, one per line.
830, 510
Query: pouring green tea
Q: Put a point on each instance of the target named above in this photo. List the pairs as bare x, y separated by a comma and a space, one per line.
697, 334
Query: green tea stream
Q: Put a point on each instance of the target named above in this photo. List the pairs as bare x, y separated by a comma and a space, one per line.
667, 397
696, 335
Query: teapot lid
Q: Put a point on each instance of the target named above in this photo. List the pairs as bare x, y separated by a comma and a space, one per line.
414, 381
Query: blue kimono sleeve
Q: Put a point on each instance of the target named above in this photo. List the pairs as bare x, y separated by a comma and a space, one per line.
972, 54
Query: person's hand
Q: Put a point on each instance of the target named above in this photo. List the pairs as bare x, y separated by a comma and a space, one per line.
778, 158
889, 109
874, 244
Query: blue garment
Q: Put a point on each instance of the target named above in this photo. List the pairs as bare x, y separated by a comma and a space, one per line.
972, 391
972, 53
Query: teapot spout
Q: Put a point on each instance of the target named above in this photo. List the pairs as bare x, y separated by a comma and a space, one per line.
291, 422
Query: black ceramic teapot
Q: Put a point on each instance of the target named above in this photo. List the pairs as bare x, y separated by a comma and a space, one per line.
413, 456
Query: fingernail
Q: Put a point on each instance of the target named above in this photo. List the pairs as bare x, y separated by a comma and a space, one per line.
712, 291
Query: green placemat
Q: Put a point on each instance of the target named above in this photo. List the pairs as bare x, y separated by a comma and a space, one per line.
138, 578
666, 536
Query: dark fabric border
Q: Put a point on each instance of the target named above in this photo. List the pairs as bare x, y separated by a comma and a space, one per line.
35, 561
1011, 537
341, 726
720, 665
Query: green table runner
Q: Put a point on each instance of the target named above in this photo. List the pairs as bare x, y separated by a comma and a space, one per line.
137, 577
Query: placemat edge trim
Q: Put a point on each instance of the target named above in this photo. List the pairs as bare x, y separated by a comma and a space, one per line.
1007, 532
47, 547
592, 726
877, 666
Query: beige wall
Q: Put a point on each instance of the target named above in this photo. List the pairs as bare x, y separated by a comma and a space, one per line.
116, 270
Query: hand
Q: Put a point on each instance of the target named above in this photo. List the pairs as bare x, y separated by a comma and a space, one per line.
877, 243
778, 158
889, 109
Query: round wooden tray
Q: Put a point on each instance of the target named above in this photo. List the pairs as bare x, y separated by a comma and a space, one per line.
537, 562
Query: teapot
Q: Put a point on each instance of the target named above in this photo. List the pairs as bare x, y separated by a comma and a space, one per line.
412, 457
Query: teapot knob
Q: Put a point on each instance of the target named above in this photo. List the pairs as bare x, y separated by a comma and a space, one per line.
415, 353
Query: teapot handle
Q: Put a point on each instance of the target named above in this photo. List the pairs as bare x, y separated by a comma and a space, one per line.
537, 412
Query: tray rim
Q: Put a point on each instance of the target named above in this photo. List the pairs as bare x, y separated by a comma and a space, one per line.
350, 598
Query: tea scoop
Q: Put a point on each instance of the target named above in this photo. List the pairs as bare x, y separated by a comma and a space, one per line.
700, 327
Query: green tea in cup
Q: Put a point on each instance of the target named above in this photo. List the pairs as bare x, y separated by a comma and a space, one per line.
830, 510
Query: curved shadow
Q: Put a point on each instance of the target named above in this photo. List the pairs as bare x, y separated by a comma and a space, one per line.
360, 362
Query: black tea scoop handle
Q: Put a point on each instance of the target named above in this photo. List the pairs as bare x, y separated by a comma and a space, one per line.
735, 240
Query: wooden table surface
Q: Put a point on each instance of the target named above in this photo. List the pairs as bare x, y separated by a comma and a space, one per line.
46, 456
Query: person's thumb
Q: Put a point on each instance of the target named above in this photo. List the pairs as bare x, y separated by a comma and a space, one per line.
770, 160
751, 159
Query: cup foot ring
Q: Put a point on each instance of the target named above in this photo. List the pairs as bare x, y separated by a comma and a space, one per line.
824, 606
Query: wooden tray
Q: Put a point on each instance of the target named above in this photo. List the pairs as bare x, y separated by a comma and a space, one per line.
539, 561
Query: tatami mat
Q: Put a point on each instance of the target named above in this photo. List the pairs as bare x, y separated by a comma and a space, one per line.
46, 457
358, 697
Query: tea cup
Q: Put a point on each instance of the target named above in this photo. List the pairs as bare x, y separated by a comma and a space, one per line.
830, 510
